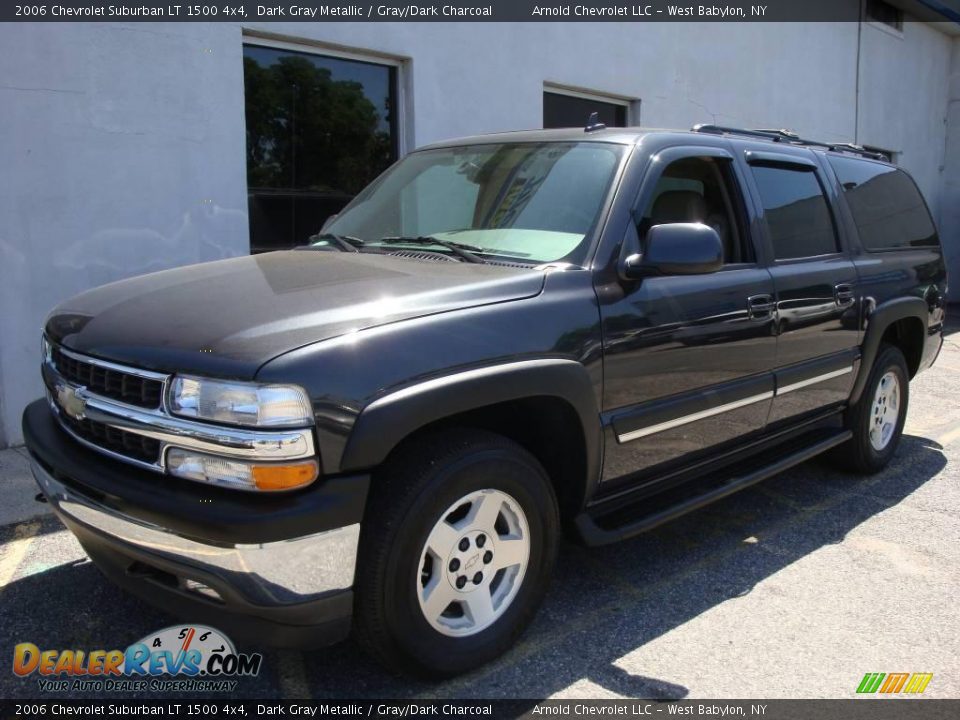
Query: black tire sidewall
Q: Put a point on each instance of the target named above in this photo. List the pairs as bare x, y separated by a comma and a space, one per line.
496, 469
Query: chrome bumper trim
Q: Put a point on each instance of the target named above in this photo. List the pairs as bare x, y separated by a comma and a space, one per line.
270, 574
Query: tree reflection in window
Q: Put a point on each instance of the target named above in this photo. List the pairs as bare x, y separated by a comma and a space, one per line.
318, 130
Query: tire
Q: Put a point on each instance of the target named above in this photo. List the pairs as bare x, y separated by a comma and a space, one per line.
430, 497
874, 421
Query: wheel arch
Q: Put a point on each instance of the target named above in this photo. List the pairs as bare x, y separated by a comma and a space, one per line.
547, 406
900, 322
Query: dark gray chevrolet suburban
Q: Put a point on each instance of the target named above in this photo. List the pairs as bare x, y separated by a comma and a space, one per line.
501, 337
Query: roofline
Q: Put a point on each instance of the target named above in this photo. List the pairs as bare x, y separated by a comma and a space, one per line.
616, 136
632, 136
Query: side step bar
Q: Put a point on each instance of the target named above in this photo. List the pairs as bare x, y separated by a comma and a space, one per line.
595, 534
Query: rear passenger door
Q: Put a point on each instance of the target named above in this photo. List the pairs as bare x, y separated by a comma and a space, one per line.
814, 280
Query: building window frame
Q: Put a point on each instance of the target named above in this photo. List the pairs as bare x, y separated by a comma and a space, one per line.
632, 104
895, 28
399, 98
316, 47
892, 155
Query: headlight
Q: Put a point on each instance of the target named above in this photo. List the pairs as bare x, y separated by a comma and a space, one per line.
238, 403
238, 474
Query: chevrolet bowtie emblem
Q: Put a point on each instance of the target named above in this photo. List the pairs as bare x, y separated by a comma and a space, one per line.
71, 401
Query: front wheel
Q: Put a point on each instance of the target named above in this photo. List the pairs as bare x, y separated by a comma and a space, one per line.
877, 419
458, 544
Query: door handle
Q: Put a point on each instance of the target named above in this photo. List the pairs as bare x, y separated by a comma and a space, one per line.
760, 306
843, 293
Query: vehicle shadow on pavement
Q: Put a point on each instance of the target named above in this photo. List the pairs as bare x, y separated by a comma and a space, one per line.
604, 604
608, 602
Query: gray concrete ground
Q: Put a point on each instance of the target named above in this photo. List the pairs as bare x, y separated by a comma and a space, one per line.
794, 588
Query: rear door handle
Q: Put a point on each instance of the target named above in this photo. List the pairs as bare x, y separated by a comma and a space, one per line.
844, 293
760, 306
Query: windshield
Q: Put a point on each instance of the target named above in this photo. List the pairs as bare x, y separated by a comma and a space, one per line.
524, 202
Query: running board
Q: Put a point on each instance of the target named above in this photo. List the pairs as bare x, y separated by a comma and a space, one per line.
595, 531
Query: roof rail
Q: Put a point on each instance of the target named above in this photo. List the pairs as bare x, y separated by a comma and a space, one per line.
789, 137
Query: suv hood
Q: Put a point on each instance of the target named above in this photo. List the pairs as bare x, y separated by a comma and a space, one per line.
227, 318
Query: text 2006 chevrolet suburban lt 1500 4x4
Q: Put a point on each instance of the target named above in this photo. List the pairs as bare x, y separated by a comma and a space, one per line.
500, 337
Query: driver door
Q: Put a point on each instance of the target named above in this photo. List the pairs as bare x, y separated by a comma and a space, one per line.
688, 358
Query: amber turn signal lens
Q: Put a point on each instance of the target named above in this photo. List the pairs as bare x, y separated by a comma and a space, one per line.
284, 477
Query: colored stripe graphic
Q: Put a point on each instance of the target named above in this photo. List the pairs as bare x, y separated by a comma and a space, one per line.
911, 683
894, 682
870, 682
918, 683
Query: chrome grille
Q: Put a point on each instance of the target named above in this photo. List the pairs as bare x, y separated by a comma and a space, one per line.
108, 382
119, 411
128, 444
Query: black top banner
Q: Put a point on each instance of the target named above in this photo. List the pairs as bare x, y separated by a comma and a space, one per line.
889, 709
457, 11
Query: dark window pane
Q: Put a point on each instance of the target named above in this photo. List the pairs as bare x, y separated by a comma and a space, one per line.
563, 111
698, 190
318, 130
797, 214
886, 205
885, 13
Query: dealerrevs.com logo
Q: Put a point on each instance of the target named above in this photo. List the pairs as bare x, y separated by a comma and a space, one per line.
179, 658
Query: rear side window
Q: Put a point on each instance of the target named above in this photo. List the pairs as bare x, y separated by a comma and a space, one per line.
886, 205
798, 217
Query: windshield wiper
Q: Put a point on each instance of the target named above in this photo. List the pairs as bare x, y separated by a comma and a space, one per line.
461, 250
347, 243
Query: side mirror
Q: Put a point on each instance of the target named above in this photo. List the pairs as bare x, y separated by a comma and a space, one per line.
677, 249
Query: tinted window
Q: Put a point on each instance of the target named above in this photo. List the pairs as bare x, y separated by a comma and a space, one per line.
318, 130
886, 205
562, 111
698, 190
797, 214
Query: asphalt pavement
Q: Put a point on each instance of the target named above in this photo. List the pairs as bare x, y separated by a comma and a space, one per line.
791, 589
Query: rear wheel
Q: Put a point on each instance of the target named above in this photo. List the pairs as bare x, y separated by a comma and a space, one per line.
455, 554
877, 418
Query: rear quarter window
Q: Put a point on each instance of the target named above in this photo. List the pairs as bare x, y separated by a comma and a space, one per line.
887, 207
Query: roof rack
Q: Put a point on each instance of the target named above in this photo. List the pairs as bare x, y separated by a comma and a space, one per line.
789, 137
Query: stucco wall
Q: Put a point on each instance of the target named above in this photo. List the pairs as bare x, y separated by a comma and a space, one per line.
123, 145
904, 81
123, 152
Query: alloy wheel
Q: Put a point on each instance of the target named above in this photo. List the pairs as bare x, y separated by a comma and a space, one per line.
473, 563
885, 411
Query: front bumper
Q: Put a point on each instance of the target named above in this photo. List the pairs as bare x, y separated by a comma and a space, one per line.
282, 572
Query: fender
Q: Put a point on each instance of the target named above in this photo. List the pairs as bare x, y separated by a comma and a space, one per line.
877, 323
391, 417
